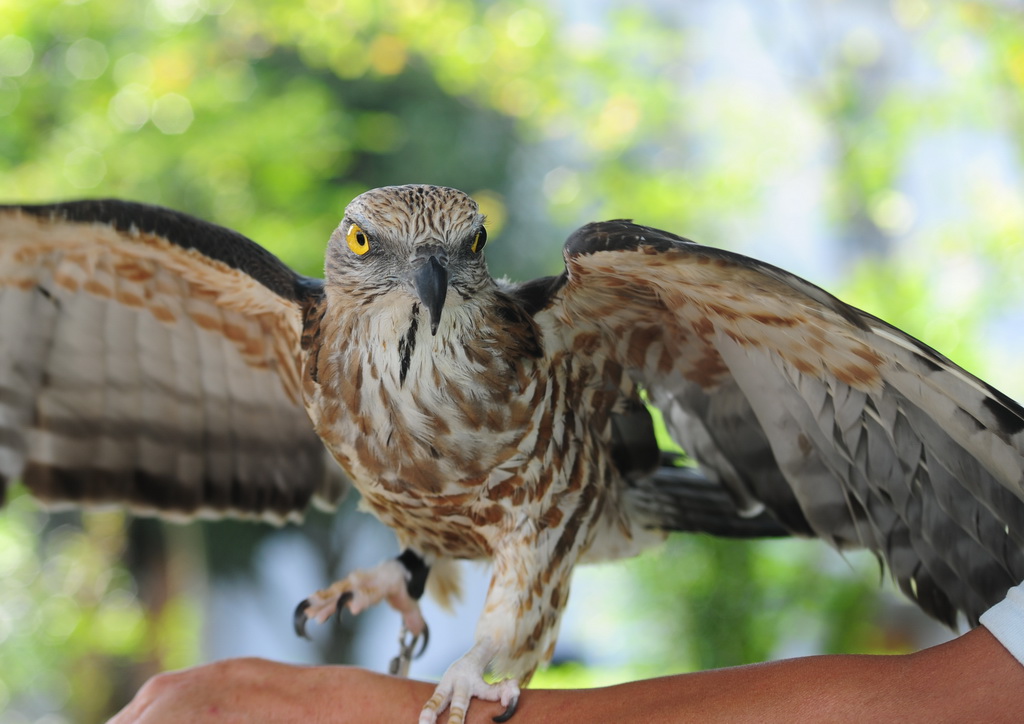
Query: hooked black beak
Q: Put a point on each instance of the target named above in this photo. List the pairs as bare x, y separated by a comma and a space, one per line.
431, 279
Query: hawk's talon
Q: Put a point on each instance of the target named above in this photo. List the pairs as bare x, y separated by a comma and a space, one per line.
407, 642
343, 600
510, 710
464, 681
299, 619
424, 638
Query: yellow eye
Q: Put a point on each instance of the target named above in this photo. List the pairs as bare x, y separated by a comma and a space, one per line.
479, 240
357, 240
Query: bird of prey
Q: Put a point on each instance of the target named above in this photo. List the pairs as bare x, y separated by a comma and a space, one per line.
155, 360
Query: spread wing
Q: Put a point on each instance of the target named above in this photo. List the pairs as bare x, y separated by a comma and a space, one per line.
840, 425
152, 359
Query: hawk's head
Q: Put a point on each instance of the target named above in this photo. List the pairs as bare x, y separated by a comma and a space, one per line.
423, 240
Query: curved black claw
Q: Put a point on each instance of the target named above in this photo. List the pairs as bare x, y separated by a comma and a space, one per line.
300, 618
343, 599
509, 711
424, 640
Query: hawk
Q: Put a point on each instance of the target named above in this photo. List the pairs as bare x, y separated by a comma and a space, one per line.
158, 361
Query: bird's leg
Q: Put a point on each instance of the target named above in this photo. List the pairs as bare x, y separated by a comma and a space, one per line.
516, 632
464, 680
400, 581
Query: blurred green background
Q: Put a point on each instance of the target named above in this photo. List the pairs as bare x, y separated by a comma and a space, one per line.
874, 146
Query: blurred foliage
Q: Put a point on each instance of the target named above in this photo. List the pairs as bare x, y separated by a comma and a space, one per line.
726, 122
71, 616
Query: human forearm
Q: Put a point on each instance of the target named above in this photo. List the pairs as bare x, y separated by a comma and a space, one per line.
971, 678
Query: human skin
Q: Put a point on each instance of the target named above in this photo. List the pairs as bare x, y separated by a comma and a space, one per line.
972, 678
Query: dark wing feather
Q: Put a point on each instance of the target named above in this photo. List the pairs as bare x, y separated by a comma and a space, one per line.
682, 498
839, 424
152, 359
671, 495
